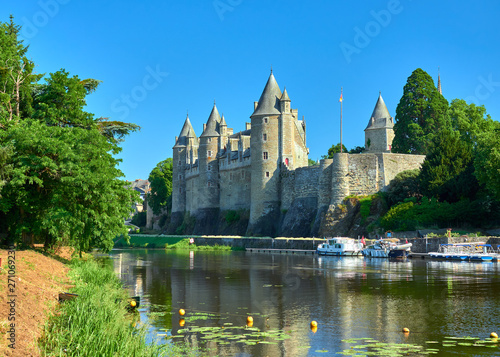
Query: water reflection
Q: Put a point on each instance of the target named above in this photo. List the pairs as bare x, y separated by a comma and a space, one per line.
350, 297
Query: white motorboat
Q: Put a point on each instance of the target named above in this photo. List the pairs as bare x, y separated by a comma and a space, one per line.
387, 248
340, 246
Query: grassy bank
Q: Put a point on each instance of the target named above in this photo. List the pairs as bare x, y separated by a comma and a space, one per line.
166, 242
96, 322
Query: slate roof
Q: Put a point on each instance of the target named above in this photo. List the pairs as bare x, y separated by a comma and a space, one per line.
212, 124
380, 117
186, 132
269, 102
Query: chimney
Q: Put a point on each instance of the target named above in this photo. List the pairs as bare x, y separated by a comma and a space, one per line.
248, 126
255, 105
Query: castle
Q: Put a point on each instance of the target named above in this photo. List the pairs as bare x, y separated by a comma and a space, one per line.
264, 169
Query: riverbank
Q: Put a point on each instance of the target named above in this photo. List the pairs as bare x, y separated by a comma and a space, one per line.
93, 324
36, 283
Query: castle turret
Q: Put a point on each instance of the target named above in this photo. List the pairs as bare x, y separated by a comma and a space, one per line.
380, 130
181, 150
265, 164
208, 190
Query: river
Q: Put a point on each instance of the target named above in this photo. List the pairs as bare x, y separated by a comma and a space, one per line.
359, 304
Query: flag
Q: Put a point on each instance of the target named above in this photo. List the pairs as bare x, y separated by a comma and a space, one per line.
341, 97
363, 240
406, 241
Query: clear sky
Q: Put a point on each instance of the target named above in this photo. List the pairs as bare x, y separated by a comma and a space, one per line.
159, 59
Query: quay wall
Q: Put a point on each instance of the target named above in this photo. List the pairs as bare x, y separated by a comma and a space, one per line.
420, 245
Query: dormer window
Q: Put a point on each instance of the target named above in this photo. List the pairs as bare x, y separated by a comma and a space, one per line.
265, 155
265, 120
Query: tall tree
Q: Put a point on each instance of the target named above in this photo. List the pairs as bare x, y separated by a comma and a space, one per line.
447, 172
487, 160
420, 115
59, 178
16, 76
160, 180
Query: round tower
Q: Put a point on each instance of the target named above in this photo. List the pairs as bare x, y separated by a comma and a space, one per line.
208, 185
340, 178
179, 155
265, 166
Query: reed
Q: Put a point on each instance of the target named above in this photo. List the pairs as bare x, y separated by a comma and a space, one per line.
96, 322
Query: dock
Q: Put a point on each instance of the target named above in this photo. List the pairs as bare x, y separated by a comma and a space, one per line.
280, 251
419, 256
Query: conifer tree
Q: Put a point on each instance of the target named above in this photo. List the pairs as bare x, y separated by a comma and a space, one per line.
420, 115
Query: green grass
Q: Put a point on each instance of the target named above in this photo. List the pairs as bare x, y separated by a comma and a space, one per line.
96, 322
167, 242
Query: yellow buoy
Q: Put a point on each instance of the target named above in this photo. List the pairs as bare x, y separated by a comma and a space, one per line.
406, 330
182, 322
133, 303
314, 324
493, 335
182, 312
249, 319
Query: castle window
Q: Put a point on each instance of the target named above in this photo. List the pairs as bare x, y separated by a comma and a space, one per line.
209, 153
180, 149
264, 137
180, 162
267, 174
180, 177
265, 155
209, 168
265, 120
180, 189
209, 140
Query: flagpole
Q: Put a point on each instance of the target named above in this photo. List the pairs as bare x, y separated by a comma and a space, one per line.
341, 101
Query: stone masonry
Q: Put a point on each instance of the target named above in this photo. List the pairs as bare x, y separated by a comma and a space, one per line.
264, 169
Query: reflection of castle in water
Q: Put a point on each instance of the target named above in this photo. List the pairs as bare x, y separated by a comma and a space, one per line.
349, 297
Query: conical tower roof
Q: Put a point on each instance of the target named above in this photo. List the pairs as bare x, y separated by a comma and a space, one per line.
223, 121
285, 96
380, 117
212, 124
186, 132
269, 102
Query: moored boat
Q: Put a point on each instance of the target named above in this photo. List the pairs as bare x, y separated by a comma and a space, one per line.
387, 248
340, 246
474, 251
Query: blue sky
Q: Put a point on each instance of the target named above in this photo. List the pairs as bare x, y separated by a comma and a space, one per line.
159, 59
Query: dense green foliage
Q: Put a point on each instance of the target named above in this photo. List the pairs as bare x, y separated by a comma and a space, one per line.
94, 323
58, 176
139, 219
459, 181
160, 180
420, 115
405, 185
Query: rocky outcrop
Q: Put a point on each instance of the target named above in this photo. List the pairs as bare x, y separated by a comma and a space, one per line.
299, 219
